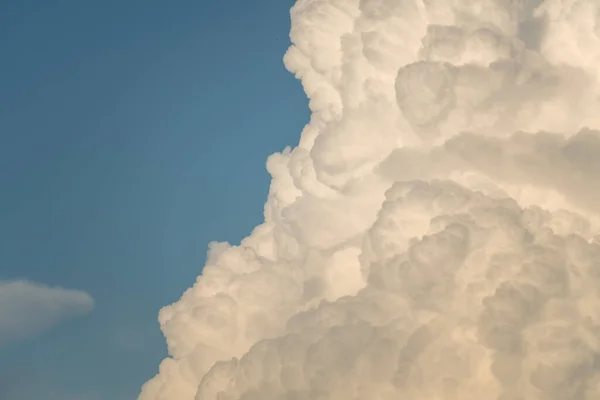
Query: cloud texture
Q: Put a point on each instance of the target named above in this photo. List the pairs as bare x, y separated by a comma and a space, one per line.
436, 232
27, 308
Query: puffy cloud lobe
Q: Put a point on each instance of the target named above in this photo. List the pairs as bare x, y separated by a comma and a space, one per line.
552, 163
452, 305
435, 233
27, 308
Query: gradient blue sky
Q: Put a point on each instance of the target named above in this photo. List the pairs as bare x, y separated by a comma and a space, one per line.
132, 133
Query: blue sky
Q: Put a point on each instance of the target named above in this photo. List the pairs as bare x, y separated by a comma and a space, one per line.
132, 133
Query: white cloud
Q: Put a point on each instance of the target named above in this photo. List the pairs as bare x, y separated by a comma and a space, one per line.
435, 234
27, 308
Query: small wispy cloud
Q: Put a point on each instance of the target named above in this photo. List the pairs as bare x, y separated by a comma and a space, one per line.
27, 308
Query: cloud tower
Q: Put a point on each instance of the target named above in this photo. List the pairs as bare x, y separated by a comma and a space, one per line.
435, 235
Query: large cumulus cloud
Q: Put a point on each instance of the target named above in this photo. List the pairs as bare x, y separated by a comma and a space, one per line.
434, 235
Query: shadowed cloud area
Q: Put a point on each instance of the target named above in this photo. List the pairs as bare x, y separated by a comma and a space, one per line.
436, 232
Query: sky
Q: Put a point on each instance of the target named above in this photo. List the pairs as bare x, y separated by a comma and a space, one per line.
131, 135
